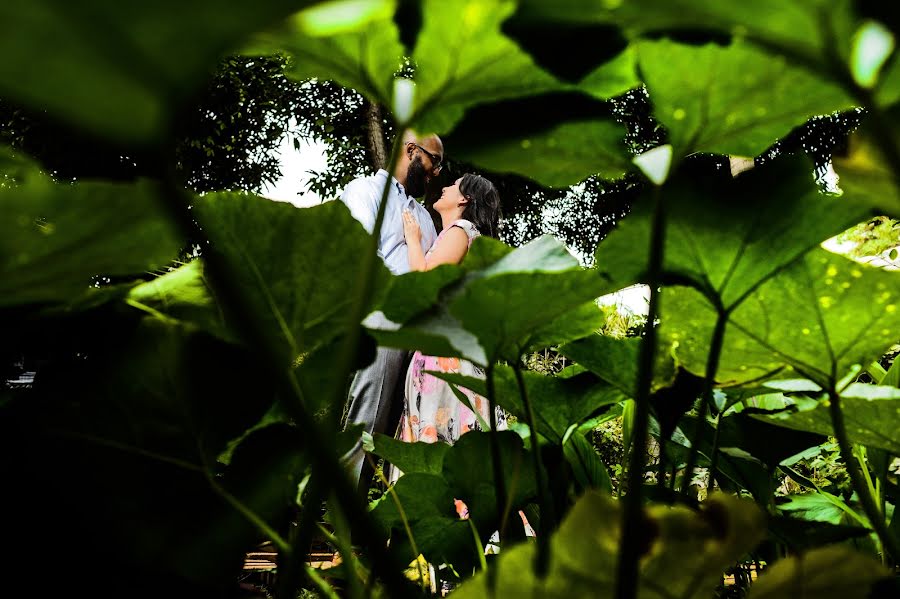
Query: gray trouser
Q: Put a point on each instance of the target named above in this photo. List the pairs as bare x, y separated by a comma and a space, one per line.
376, 402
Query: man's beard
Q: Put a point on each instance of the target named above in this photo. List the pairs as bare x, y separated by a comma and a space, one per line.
416, 179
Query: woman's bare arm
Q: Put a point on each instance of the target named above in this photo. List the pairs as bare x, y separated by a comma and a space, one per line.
450, 250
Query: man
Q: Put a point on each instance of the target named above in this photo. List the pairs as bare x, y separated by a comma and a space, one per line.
376, 393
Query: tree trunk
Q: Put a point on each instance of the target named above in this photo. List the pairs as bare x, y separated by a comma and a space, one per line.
375, 135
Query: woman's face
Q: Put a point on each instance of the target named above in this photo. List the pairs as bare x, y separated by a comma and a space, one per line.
450, 197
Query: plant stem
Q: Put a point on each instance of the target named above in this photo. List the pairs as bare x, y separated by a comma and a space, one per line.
497, 463
629, 553
876, 517
712, 366
548, 513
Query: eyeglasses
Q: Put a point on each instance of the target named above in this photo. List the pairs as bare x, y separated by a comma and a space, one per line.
436, 165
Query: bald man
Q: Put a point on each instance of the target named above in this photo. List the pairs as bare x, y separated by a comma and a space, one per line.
376, 393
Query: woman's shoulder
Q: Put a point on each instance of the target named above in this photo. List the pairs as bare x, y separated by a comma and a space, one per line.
467, 226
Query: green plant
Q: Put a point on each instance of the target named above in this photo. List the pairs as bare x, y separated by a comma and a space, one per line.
750, 351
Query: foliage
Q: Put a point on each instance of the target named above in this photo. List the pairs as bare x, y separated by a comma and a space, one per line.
179, 420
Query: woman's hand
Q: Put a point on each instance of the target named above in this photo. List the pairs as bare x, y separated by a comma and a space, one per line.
411, 231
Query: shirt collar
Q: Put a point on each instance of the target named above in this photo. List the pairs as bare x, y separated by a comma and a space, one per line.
397, 185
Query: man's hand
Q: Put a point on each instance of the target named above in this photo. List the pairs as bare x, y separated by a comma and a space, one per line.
411, 231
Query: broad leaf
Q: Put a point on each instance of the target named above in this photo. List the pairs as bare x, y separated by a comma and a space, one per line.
54, 239
120, 68
686, 550
182, 294
463, 59
426, 458
820, 316
493, 312
802, 535
616, 361
359, 49
871, 415
587, 468
828, 573
285, 258
804, 30
726, 236
555, 139
739, 99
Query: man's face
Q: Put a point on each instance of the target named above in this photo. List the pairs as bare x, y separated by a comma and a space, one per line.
417, 177
425, 165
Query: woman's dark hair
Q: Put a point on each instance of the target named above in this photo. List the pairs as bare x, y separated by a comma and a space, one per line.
483, 209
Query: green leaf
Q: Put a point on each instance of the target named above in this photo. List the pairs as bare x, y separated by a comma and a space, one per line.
581, 322
286, 259
805, 31
587, 468
557, 403
463, 59
468, 472
739, 99
614, 77
829, 573
494, 311
871, 414
528, 288
120, 69
555, 139
360, 50
726, 236
819, 316
54, 239
802, 535
183, 295
616, 361
414, 292
814, 506
686, 550
427, 458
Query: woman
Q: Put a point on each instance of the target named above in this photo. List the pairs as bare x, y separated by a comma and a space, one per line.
431, 411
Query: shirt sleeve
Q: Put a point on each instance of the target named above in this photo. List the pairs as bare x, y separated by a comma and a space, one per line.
363, 206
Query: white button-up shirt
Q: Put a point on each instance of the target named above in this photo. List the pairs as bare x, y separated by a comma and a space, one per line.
362, 196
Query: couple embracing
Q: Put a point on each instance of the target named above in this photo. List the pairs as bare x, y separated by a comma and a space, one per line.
396, 384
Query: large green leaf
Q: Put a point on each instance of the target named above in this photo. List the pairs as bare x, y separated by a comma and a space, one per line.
54, 239
120, 68
616, 361
803, 30
828, 573
871, 414
525, 290
463, 59
556, 139
436, 475
684, 553
820, 316
738, 99
182, 294
726, 236
426, 458
288, 261
355, 45
494, 311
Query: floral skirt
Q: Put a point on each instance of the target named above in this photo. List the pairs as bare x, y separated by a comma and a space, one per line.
431, 410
